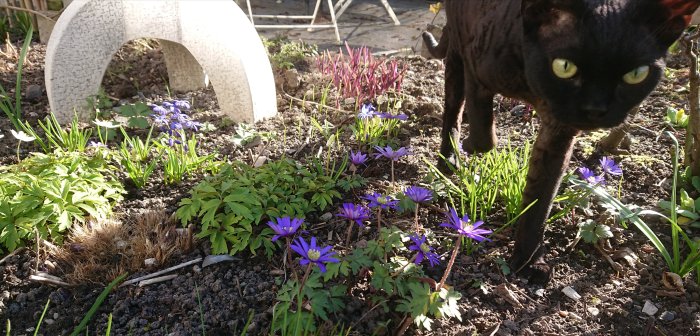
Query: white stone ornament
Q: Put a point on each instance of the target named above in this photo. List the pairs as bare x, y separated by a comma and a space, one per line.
205, 39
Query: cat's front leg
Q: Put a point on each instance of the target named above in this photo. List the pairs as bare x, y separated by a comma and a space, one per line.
548, 162
452, 115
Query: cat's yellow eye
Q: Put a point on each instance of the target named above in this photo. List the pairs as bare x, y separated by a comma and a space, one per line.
637, 75
564, 68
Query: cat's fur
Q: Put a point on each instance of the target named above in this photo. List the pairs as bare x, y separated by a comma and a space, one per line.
508, 46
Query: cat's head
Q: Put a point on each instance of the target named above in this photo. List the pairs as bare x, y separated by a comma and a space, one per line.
592, 61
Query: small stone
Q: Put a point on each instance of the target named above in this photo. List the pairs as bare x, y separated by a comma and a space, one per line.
667, 316
49, 321
540, 292
292, 78
260, 161
510, 324
593, 311
326, 216
55, 316
33, 92
649, 308
196, 269
575, 316
571, 293
150, 262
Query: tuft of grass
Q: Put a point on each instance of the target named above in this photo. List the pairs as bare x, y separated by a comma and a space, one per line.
74, 139
92, 248
481, 180
14, 112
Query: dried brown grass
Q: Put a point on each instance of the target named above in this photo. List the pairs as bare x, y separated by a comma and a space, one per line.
99, 251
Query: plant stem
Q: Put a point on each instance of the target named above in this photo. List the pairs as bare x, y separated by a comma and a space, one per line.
289, 259
458, 243
400, 270
418, 227
36, 234
349, 234
303, 281
379, 219
392, 173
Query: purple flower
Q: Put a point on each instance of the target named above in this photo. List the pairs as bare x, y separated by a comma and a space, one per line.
390, 153
175, 126
159, 110
357, 213
285, 226
193, 125
418, 194
357, 158
424, 250
312, 253
182, 104
609, 166
464, 227
173, 142
384, 202
590, 177
367, 111
388, 115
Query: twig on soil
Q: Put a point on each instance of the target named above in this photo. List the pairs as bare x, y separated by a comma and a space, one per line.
152, 275
48, 279
615, 265
157, 280
405, 323
238, 286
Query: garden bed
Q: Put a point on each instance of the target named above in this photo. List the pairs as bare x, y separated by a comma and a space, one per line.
240, 294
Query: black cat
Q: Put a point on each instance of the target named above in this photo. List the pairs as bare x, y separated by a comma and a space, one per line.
583, 65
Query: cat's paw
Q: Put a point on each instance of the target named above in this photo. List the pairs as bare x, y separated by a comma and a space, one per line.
474, 144
537, 273
531, 266
447, 166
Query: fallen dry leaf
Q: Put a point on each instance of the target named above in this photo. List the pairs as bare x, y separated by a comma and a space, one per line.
504, 292
673, 282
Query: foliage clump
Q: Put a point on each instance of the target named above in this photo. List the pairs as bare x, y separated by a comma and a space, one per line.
231, 204
48, 193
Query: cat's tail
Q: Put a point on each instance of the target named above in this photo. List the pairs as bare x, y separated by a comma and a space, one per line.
437, 50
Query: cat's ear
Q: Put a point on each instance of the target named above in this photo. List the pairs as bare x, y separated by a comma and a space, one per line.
543, 15
670, 17
680, 9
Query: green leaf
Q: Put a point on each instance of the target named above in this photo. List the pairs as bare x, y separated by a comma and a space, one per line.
138, 122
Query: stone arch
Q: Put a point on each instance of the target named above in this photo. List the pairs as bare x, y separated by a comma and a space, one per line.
197, 36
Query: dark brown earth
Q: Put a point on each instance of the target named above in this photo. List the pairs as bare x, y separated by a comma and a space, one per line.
230, 292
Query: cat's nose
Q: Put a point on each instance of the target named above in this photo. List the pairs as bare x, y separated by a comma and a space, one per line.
595, 111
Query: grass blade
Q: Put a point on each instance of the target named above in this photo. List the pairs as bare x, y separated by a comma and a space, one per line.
97, 304
41, 319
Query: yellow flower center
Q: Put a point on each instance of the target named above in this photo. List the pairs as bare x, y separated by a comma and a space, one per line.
425, 248
313, 254
467, 227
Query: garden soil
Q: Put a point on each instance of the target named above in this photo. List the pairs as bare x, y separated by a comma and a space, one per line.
230, 297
